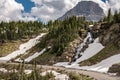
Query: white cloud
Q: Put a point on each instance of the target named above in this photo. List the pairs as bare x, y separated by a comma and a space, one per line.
53, 9
114, 5
10, 10
46, 9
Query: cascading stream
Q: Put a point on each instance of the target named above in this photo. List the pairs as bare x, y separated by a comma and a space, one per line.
83, 46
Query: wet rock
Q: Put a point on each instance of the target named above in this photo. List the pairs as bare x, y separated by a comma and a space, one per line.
84, 47
79, 55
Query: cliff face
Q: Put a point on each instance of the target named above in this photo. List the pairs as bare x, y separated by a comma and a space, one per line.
91, 10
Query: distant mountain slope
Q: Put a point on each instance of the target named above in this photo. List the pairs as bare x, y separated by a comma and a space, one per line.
91, 10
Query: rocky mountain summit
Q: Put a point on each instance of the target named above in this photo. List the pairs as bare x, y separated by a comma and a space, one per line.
91, 10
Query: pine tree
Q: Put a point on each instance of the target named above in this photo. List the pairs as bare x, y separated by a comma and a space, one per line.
109, 17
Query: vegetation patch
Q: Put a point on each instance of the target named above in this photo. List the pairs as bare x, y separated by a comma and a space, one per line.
9, 47
61, 33
77, 76
48, 59
12, 74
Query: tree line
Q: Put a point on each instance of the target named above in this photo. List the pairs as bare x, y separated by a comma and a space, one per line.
112, 18
19, 30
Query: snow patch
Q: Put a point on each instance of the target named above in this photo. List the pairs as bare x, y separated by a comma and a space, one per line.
57, 75
23, 48
92, 50
34, 55
27, 71
3, 70
104, 65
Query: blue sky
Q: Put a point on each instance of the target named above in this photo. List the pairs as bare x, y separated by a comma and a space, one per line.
104, 0
28, 4
50, 10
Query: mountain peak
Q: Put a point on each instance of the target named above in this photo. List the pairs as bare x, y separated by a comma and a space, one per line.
91, 10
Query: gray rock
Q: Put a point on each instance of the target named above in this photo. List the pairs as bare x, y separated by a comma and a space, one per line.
91, 10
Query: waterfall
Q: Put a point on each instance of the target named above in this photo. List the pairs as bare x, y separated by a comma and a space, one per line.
83, 46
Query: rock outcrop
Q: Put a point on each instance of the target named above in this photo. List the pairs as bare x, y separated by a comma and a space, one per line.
111, 35
70, 50
115, 69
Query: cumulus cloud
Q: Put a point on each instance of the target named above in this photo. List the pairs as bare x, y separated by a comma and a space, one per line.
51, 9
10, 10
114, 5
46, 9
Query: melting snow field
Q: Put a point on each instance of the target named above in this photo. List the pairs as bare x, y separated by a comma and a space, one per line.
23, 48
104, 65
92, 50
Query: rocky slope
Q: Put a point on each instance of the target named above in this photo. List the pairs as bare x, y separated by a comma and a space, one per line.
110, 38
91, 10
68, 53
115, 69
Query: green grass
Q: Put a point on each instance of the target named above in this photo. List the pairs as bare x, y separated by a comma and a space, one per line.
44, 59
108, 51
48, 59
77, 76
9, 47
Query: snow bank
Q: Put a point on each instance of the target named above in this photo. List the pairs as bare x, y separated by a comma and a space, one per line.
3, 70
34, 55
104, 65
14, 70
23, 48
57, 75
92, 50
27, 71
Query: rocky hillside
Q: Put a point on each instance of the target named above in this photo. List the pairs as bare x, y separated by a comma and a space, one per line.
91, 10
110, 38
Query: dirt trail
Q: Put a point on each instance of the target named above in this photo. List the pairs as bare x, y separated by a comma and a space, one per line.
95, 75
